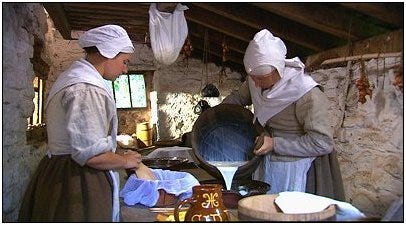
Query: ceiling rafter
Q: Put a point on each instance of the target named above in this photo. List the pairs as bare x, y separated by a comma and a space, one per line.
381, 11
281, 27
322, 17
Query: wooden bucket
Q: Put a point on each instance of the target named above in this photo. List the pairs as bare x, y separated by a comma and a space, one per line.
144, 133
264, 208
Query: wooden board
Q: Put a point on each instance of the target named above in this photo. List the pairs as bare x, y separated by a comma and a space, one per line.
263, 208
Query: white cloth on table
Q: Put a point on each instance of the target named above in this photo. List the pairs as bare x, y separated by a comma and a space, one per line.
145, 192
300, 202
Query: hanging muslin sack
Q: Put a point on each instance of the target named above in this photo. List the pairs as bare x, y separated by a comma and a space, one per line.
168, 33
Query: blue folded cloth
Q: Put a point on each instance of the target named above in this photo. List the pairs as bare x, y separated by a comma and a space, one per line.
145, 192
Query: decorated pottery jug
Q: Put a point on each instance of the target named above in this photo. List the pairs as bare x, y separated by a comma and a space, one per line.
206, 204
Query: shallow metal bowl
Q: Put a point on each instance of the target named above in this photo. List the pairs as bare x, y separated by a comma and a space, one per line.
164, 162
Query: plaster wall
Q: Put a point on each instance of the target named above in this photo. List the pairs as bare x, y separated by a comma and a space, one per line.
21, 22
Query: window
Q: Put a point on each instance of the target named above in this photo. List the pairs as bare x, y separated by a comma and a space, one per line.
37, 117
129, 91
36, 131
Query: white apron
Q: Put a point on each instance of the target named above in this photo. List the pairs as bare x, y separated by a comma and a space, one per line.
294, 83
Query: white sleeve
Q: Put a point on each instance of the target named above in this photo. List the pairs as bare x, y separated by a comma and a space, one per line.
89, 115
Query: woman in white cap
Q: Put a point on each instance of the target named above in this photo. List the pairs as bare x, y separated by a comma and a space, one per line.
292, 108
75, 181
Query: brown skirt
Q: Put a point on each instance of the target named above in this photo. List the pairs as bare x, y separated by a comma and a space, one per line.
63, 191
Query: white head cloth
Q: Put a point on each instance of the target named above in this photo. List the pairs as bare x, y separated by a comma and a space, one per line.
264, 52
109, 40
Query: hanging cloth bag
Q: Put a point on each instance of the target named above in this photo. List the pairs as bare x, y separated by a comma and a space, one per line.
168, 33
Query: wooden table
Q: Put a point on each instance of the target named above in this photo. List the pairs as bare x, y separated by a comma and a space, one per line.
144, 214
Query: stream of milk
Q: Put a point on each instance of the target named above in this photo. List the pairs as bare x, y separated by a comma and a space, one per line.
227, 169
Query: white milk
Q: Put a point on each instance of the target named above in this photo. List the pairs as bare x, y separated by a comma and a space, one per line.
227, 169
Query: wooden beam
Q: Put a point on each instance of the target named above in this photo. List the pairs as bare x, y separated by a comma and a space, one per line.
216, 49
386, 43
99, 14
389, 12
58, 16
236, 30
219, 23
362, 57
197, 54
139, 9
327, 17
234, 44
283, 28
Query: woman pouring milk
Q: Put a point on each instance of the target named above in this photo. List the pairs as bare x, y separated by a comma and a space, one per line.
292, 107
75, 181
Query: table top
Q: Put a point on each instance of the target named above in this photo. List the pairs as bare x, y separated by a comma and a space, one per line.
144, 214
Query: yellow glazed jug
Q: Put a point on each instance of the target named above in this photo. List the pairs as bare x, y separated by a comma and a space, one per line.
206, 204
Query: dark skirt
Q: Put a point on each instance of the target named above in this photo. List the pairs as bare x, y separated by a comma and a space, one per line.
324, 177
63, 191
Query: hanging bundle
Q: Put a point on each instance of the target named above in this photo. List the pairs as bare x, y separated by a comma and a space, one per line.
362, 84
209, 90
168, 32
226, 49
187, 50
398, 81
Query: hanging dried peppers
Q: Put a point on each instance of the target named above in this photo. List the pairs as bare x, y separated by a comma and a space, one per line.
398, 82
362, 84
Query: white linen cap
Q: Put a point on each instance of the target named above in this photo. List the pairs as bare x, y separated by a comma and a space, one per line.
264, 53
109, 40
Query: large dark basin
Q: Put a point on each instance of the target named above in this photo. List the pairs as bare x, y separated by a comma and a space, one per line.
226, 133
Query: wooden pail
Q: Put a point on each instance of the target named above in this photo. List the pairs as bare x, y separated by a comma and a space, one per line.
144, 133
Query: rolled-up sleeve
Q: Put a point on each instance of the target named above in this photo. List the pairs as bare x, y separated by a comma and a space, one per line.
89, 114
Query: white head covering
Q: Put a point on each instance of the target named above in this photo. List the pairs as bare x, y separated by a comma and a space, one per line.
109, 40
264, 53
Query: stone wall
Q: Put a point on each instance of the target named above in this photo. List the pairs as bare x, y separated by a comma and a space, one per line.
368, 137
179, 90
21, 22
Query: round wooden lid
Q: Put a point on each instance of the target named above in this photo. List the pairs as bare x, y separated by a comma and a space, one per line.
263, 207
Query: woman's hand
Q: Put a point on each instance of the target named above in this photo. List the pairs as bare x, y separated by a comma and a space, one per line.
267, 144
132, 159
110, 160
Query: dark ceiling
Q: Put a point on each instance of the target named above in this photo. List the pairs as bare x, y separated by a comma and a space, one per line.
306, 28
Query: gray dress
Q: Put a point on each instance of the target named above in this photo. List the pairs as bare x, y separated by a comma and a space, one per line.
301, 132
